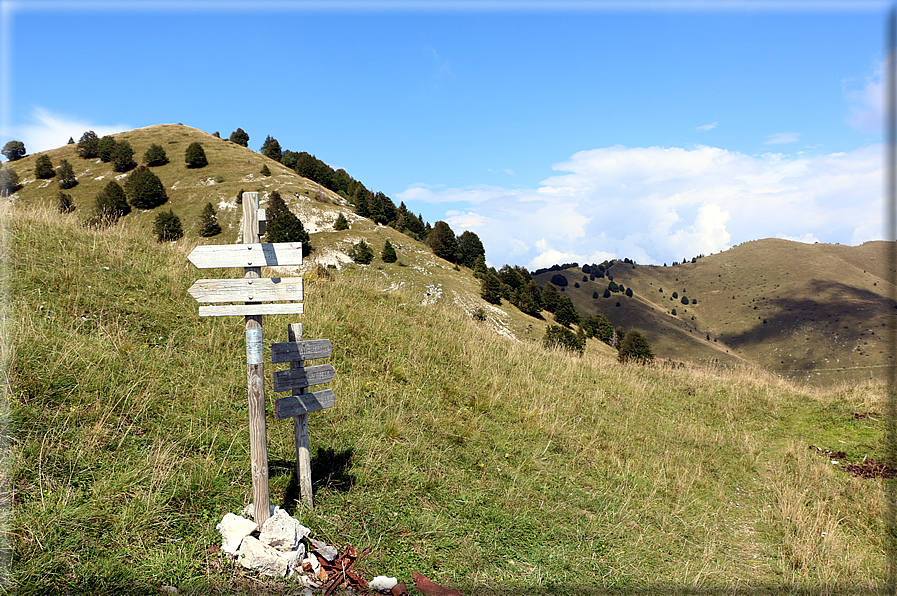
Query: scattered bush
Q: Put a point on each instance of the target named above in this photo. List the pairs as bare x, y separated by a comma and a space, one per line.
558, 280
144, 189
628, 292
9, 181
341, 223
240, 137
109, 205
479, 314
634, 347
265, 171
14, 150
208, 222
66, 175
155, 156
195, 156
105, 148
271, 149
167, 226
87, 146
684, 300
123, 157
362, 253
64, 203
389, 253
557, 337
43, 167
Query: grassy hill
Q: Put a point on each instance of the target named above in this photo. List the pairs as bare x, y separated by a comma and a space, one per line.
481, 461
814, 313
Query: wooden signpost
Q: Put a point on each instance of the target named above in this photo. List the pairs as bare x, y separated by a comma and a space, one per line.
252, 290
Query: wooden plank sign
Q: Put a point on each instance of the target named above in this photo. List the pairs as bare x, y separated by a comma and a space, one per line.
296, 405
297, 378
301, 350
277, 308
266, 289
278, 254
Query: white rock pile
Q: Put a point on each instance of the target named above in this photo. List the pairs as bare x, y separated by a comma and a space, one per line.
275, 549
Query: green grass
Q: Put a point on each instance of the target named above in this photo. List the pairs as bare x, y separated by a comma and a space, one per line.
480, 461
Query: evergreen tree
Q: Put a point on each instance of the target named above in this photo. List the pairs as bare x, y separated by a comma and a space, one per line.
195, 156
341, 223
490, 288
470, 248
551, 298
389, 253
167, 226
9, 181
265, 170
629, 292
480, 269
599, 327
559, 280
634, 347
288, 228
71, 141
442, 241
559, 337
66, 175
271, 149
123, 157
87, 146
208, 222
606, 292
43, 167
276, 206
565, 313
155, 156
105, 148
362, 253
110, 204
14, 150
144, 189
64, 203
240, 137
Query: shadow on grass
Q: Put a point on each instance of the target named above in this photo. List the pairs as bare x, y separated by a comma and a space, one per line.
329, 469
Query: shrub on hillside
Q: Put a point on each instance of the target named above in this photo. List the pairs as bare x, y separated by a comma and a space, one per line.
634, 347
559, 280
105, 147
490, 288
66, 175
557, 337
110, 204
43, 167
389, 253
341, 223
14, 150
9, 181
155, 156
167, 226
64, 203
208, 222
87, 146
271, 148
195, 156
144, 189
123, 157
265, 171
361, 253
240, 137
276, 206
288, 228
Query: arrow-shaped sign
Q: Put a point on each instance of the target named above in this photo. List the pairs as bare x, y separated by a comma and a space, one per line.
288, 407
278, 254
266, 289
301, 350
298, 378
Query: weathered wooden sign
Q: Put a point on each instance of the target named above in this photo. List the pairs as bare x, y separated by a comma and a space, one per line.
298, 379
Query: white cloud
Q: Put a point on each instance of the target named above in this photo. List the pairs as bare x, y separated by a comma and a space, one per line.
665, 204
865, 103
808, 238
710, 126
45, 130
780, 138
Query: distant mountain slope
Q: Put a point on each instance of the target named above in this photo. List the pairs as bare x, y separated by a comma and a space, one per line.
810, 312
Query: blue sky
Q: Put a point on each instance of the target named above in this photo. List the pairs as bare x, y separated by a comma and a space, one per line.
650, 130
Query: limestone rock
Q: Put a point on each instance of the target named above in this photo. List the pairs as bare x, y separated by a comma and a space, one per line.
233, 529
381, 583
282, 532
255, 555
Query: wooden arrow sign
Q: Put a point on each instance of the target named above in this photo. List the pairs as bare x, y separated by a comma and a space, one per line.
288, 407
297, 378
276, 308
301, 350
266, 289
278, 254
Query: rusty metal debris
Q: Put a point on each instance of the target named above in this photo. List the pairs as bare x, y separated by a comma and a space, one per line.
423, 584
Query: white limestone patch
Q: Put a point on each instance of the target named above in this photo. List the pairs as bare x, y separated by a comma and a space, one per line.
496, 318
101, 177
206, 182
120, 176
432, 295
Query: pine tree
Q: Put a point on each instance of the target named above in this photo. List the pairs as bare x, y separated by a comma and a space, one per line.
123, 157
240, 137
208, 222
43, 167
271, 149
64, 203
105, 148
288, 228
71, 141
195, 156
559, 337
490, 288
389, 253
265, 171
470, 248
442, 241
155, 156
276, 207
110, 204
566, 313
341, 223
144, 189
551, 297
66, 175
87, 146
9, 181
362, 253
634, 347
167, 226
14, 150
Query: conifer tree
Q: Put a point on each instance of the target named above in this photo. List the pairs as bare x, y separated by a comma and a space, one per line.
240, 137
470, 248
123, 157
490, 288
271, 149
442, 241
87, 146
288, 228
362, 253
144, 189
155, 156
110, 204
560, 337
167, 226
43, 167
64, 203
276, 207
105, 148
566, 313
341, 223
634, 347
389, 253
208, 222
66, 175
9, 181
195, 156
14, 150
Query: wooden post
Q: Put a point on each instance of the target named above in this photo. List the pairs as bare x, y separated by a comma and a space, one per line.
300, 431
255, 375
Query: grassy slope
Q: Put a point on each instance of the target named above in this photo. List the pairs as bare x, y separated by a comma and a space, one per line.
453, 451
824, 307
